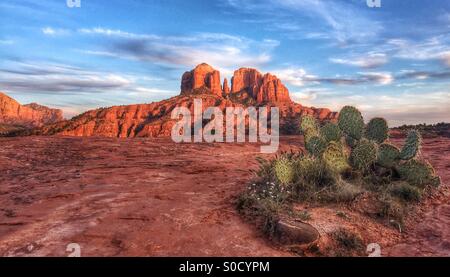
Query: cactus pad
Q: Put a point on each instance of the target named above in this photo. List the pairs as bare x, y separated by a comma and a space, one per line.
315, 146
331, 132
351, 122
377, 130
387, 155
364, 154
412, 145
335, 157
284, 170
418, 173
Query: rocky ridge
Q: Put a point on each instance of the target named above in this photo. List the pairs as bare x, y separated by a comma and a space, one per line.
15, 115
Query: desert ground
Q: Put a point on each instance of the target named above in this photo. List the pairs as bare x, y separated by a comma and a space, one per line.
152, 197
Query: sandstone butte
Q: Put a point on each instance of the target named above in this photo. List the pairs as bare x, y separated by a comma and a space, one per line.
248, 88
27, 116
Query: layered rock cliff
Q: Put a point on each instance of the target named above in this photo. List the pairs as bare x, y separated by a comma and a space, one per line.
26, 116
248, 87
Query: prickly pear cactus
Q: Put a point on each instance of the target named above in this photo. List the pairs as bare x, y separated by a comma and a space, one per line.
334, 156
418, 173
315, 146
331, 132
364, 154
308, 122
351, 122
411, 146
284, 170
388, 155
377, 130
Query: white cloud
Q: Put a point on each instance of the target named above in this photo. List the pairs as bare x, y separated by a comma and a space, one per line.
339, 20
370, 60
381, 78
445, 57
6, 42
295, 76
49, 31
299, 77
435, 48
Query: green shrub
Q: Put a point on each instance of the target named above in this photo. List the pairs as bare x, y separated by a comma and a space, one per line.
406, 192
314, 173
377, 130
351, 122
388, 155
340, 192
331, 132
364, 155
412, 145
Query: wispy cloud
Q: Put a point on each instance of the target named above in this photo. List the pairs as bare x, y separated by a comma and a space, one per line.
342, 21
221, 50
435, 48
6, 41
299, 77
50, 78
49, 31
370, 60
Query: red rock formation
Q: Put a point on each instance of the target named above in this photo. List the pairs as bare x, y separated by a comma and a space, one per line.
226, 88
31, 115
202, 76
249, 87
264, 89
246, 79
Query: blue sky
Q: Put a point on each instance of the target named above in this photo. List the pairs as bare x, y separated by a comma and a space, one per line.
392, 61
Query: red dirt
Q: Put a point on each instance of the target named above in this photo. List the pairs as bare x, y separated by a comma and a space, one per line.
151, 197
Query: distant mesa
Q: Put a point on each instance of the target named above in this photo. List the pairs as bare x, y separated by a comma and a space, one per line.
249, 87
14, 116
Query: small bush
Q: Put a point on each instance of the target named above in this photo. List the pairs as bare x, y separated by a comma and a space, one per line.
348, 243
406, 192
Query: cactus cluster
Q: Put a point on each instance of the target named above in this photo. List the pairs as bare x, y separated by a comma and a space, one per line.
368, 147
